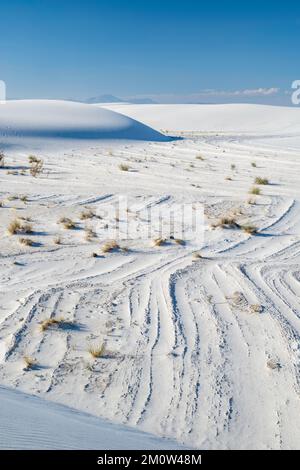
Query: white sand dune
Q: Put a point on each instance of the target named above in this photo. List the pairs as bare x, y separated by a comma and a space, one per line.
201, 350
233, 118
61, 119
27, 422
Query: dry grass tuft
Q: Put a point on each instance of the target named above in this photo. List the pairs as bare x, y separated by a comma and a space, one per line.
259, 180
61, 321
255, 190
18, 226
87, 214
179, 241
199, 157
250, 229
26, 241
67, 223
30, 363
124, 167
89, 234
226, 222
256, 308
57, 241
159, 241
97, 352
109, 246
197, 255
36, 165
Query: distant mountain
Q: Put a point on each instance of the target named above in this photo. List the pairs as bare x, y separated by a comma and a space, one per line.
104, 99
141, 101
115, 99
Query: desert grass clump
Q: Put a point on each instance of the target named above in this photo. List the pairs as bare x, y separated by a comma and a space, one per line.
253, 164
18, 226
232, 166
33, 159
259, 180
89, 234
124, 167
250, 229
256, 308
159, 241
199, 157
60, 322
179, 241
26, 241
96, 351
30, 363
87, 214
67, 223
36, 166
226, 222
110, 246
24, 198
255, 191
197, 255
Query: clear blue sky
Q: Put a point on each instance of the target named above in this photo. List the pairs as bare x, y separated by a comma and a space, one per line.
61, 49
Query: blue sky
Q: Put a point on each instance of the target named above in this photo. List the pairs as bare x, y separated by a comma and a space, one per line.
167, 50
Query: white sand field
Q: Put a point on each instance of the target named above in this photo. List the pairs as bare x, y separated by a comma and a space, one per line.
203, 350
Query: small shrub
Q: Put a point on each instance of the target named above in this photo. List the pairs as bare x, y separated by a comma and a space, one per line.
26, 241
55, 322
259, 180
253, 164
30, 363
226, 222
36, 167
232, 166
110, 246
18, 226
67, 223
256, 308
33, 159
250, 229
87, 214
159, 241
96, 352
124, 167
199, 157
89, 234
255, 190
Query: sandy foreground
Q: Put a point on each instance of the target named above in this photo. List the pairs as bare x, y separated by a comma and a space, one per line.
198, 340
